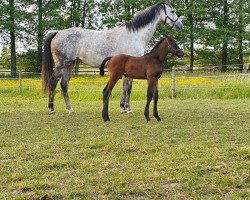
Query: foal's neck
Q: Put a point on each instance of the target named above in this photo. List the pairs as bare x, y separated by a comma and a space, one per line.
161, 51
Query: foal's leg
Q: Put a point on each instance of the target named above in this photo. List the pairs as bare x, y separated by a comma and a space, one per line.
106, 94
65, 87
155, 97
53, 82
127, 87
151, 85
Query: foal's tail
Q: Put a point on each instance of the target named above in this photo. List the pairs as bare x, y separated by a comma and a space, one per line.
47, 68
103, 65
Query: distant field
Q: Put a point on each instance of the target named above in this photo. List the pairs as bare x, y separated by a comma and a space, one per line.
188, 86
200, 149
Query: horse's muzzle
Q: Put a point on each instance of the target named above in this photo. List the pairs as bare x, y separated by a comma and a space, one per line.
177, 25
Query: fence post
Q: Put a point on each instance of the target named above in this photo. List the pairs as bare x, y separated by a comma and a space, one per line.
173, 83
20, 80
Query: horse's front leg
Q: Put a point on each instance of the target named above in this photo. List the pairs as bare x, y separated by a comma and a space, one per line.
155, 98
151, 83
65, 87
125, 101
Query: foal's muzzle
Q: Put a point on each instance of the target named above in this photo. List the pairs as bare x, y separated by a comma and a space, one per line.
179, 53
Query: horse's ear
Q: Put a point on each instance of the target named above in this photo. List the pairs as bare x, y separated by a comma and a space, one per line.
168, 2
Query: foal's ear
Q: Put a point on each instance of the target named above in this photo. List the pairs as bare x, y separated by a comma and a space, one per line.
171, 38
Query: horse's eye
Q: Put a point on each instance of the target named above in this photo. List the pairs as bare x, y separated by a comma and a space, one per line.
172, 11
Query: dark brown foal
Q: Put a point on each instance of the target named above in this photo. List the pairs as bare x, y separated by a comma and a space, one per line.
149, 66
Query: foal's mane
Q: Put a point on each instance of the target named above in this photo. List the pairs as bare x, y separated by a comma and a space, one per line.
144, 18
157, 44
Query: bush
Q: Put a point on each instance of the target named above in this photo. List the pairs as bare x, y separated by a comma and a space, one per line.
27, 61
5, 59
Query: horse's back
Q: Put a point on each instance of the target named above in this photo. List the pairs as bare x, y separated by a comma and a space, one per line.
92, 46
68, 42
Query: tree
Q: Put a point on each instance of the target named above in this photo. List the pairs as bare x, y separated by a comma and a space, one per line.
81, 15
40, 35
194, 22
243, 20
5, 58
12, 37
190, 17
48, 15
225, 32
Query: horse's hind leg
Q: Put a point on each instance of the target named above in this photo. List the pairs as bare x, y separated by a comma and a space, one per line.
65, 87
127, 87
155, 98
53, 82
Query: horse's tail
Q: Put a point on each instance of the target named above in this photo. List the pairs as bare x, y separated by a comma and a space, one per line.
103, 65
47, 68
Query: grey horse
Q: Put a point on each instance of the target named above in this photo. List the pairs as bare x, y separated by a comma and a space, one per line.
92, 46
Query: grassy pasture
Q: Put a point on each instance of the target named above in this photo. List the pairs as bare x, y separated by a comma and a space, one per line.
200, 150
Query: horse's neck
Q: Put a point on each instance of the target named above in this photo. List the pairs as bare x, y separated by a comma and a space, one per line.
146, 33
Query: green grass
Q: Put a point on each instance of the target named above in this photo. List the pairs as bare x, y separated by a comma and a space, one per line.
200, 149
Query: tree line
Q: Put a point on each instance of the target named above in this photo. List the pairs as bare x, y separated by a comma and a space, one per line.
217, 27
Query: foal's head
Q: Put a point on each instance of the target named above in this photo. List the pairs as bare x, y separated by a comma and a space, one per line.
173, 47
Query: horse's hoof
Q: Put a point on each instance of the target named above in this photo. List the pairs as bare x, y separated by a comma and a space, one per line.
123, 111
129, 112
52, 112
71, 112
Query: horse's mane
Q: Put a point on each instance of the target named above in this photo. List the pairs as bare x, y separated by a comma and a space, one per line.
157, 44
144, 18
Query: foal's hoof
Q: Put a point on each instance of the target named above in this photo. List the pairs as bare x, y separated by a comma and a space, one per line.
106, 121
148, 119
52, 112
158, 118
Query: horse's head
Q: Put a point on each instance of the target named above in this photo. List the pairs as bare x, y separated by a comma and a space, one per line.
169, 16
173, 47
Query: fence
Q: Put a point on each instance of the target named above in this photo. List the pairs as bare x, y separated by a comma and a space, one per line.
174, 83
